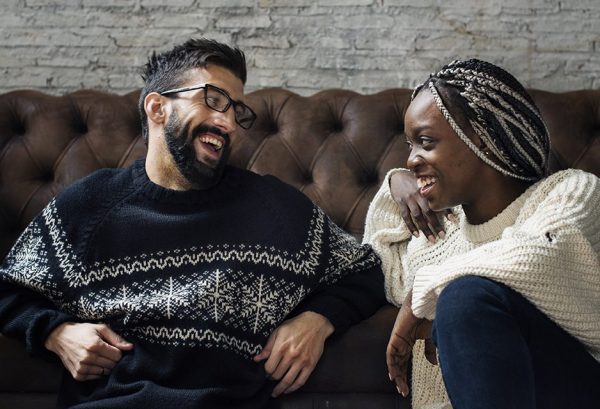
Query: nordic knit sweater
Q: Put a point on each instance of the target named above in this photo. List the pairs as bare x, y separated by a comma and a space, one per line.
196, 280
545, 245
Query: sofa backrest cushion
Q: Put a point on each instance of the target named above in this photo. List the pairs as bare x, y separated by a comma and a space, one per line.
335, 146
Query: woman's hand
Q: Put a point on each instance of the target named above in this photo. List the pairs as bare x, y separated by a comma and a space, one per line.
407, 329
414, 208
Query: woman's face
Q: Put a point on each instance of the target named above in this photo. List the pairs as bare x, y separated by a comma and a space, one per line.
448, 172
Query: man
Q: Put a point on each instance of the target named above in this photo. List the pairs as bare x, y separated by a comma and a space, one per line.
180, 281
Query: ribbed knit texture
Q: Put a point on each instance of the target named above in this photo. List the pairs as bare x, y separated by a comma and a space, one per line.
545, 245
196, 280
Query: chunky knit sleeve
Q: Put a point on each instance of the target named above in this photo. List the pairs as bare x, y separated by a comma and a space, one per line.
29, 283
550, 256
387, 233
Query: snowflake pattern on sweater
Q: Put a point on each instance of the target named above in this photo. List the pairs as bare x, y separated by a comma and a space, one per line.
196, 280
250, 302
216, 293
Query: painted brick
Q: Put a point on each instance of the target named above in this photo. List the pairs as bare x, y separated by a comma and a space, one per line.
588, 65
558, 43
196, 20
225, 4
151, 37
244, 22
54, 37
170, 3
277, 59
363, 21
340, 43
391, 43
345, 3
10, 19
316, 79
110, 3
10, 4
263, 41
16, 57
305, 45
50, 3
285, 3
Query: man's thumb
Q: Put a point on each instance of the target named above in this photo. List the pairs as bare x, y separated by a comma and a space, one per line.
114, 339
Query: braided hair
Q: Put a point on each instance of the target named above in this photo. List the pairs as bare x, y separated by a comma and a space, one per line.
496, 107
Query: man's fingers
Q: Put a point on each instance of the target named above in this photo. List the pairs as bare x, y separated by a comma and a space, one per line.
102, 349
283, 368
287, 381
112, 338
266, 351
100, 361
300, 380
83, 372
273, 362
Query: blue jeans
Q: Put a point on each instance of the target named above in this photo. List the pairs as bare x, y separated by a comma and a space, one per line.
497, 350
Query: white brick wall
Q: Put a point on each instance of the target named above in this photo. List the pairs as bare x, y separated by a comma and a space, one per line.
305, 45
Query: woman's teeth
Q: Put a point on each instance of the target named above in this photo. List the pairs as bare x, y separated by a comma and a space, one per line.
425, 181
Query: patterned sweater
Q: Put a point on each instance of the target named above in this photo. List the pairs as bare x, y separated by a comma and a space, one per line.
544, 245
197, 280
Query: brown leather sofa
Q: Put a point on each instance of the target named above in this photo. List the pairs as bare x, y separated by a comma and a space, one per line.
335, 146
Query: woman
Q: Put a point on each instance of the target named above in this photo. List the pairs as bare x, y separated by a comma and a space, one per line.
509, 291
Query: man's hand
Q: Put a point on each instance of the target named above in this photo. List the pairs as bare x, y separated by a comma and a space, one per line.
407, 329
88, 351
414, 208
293, 350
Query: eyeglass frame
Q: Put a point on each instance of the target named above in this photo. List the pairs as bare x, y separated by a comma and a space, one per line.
230, 101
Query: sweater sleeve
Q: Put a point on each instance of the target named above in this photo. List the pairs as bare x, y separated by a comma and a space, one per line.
550, 257
351, 286
29, 285
387, 233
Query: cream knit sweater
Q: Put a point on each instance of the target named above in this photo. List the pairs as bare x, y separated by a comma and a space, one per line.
545, 245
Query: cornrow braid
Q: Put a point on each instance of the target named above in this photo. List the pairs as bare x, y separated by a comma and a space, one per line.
499, 110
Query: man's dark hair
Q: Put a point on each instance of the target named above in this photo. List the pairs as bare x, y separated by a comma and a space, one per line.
168, 70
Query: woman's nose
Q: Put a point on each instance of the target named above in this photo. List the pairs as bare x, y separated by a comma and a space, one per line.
414, 159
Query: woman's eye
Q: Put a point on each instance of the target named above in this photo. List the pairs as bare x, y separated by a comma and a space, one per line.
409, 144
425, 140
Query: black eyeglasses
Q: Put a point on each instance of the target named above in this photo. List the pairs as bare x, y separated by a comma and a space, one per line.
219, 100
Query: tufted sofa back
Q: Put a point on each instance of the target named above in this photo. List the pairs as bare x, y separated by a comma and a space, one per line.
335, 146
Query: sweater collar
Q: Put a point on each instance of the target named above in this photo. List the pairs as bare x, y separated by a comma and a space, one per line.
228, 185
493, 228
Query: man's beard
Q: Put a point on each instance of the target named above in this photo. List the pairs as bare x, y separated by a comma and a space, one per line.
181, 146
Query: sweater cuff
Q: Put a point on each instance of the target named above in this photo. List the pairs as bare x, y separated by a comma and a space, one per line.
37, 334
332, 308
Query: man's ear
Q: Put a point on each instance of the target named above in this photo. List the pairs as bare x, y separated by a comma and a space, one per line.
155, 108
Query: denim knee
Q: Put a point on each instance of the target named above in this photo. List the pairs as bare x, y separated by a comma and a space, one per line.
465, 302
